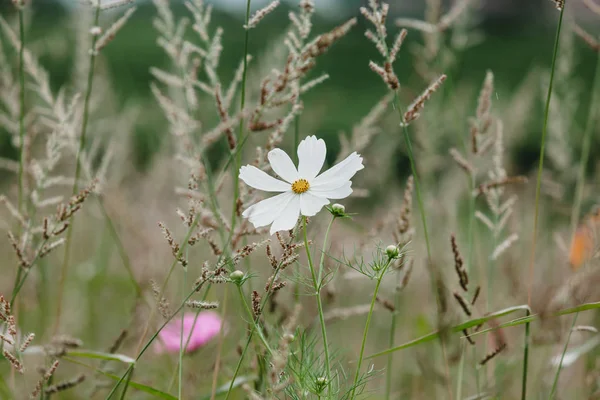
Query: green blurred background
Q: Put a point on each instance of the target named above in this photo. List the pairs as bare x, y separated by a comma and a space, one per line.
518, 37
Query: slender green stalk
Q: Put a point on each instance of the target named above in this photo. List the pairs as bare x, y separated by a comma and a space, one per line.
20, 6
82, 143
367, 324
317, 288
461, 371
322, 261
541, 161
562, 357
525, 359
149, 342
249, 339
391, 341
256, 328
537, 198
181, 348
235, 166
164, 285
585, 149
127, 380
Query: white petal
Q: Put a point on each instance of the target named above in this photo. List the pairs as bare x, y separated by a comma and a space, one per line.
282, 165
311, 204
264, 212
333, 193
287, 219
311, 157
258, 179
339, 173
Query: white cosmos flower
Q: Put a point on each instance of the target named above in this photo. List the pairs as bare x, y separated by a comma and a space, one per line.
303, 191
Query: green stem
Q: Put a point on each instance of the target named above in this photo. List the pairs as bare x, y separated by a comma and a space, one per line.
21, 107
390, 360
317, 288
525, 360
322, 261
413, 168
82, 142
541, 161
367, 324
181, 348
585, 149
249, 339
256, 328
562, 357
235, 165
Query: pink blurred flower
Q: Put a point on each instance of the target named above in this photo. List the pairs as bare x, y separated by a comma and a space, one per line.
207, 326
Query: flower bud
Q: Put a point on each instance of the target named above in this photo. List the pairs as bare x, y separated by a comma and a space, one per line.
236, 277
338, 210
392, 251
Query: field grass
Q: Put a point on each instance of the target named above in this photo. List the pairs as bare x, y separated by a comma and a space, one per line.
462, 266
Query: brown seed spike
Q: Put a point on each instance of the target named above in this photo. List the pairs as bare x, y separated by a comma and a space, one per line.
256, 310
458, 264
493, 354
463, 303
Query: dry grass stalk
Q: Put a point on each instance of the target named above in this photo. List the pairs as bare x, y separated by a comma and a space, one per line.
260, 14
46, 375
559, 4
163, 303
202, 305
413, 111
463, 277
493, 354
65, 385
16, 364
592, 5
589, 39
494, 184
112, 31
256, 309
385, 303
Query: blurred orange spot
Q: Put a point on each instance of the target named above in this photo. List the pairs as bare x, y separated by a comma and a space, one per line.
584, 241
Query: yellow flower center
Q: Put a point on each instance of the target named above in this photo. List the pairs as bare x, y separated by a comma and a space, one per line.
300, 186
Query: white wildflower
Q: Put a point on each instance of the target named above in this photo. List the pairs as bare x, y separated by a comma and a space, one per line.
304, 192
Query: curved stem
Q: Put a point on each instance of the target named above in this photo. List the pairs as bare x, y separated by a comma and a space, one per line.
367, 324
256, 327
322, 261
562, 357
181, 347
390, 360
317, 288
235, 165
247, 345
542, 151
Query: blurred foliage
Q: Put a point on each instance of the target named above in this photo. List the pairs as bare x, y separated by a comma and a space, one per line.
514, 44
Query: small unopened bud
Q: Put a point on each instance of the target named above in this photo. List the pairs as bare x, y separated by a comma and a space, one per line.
236, 277
321, 383
95, 31
392, 251
338, 210
289, 337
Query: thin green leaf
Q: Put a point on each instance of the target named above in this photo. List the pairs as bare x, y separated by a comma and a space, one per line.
102, 356
458, 328
139, 386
